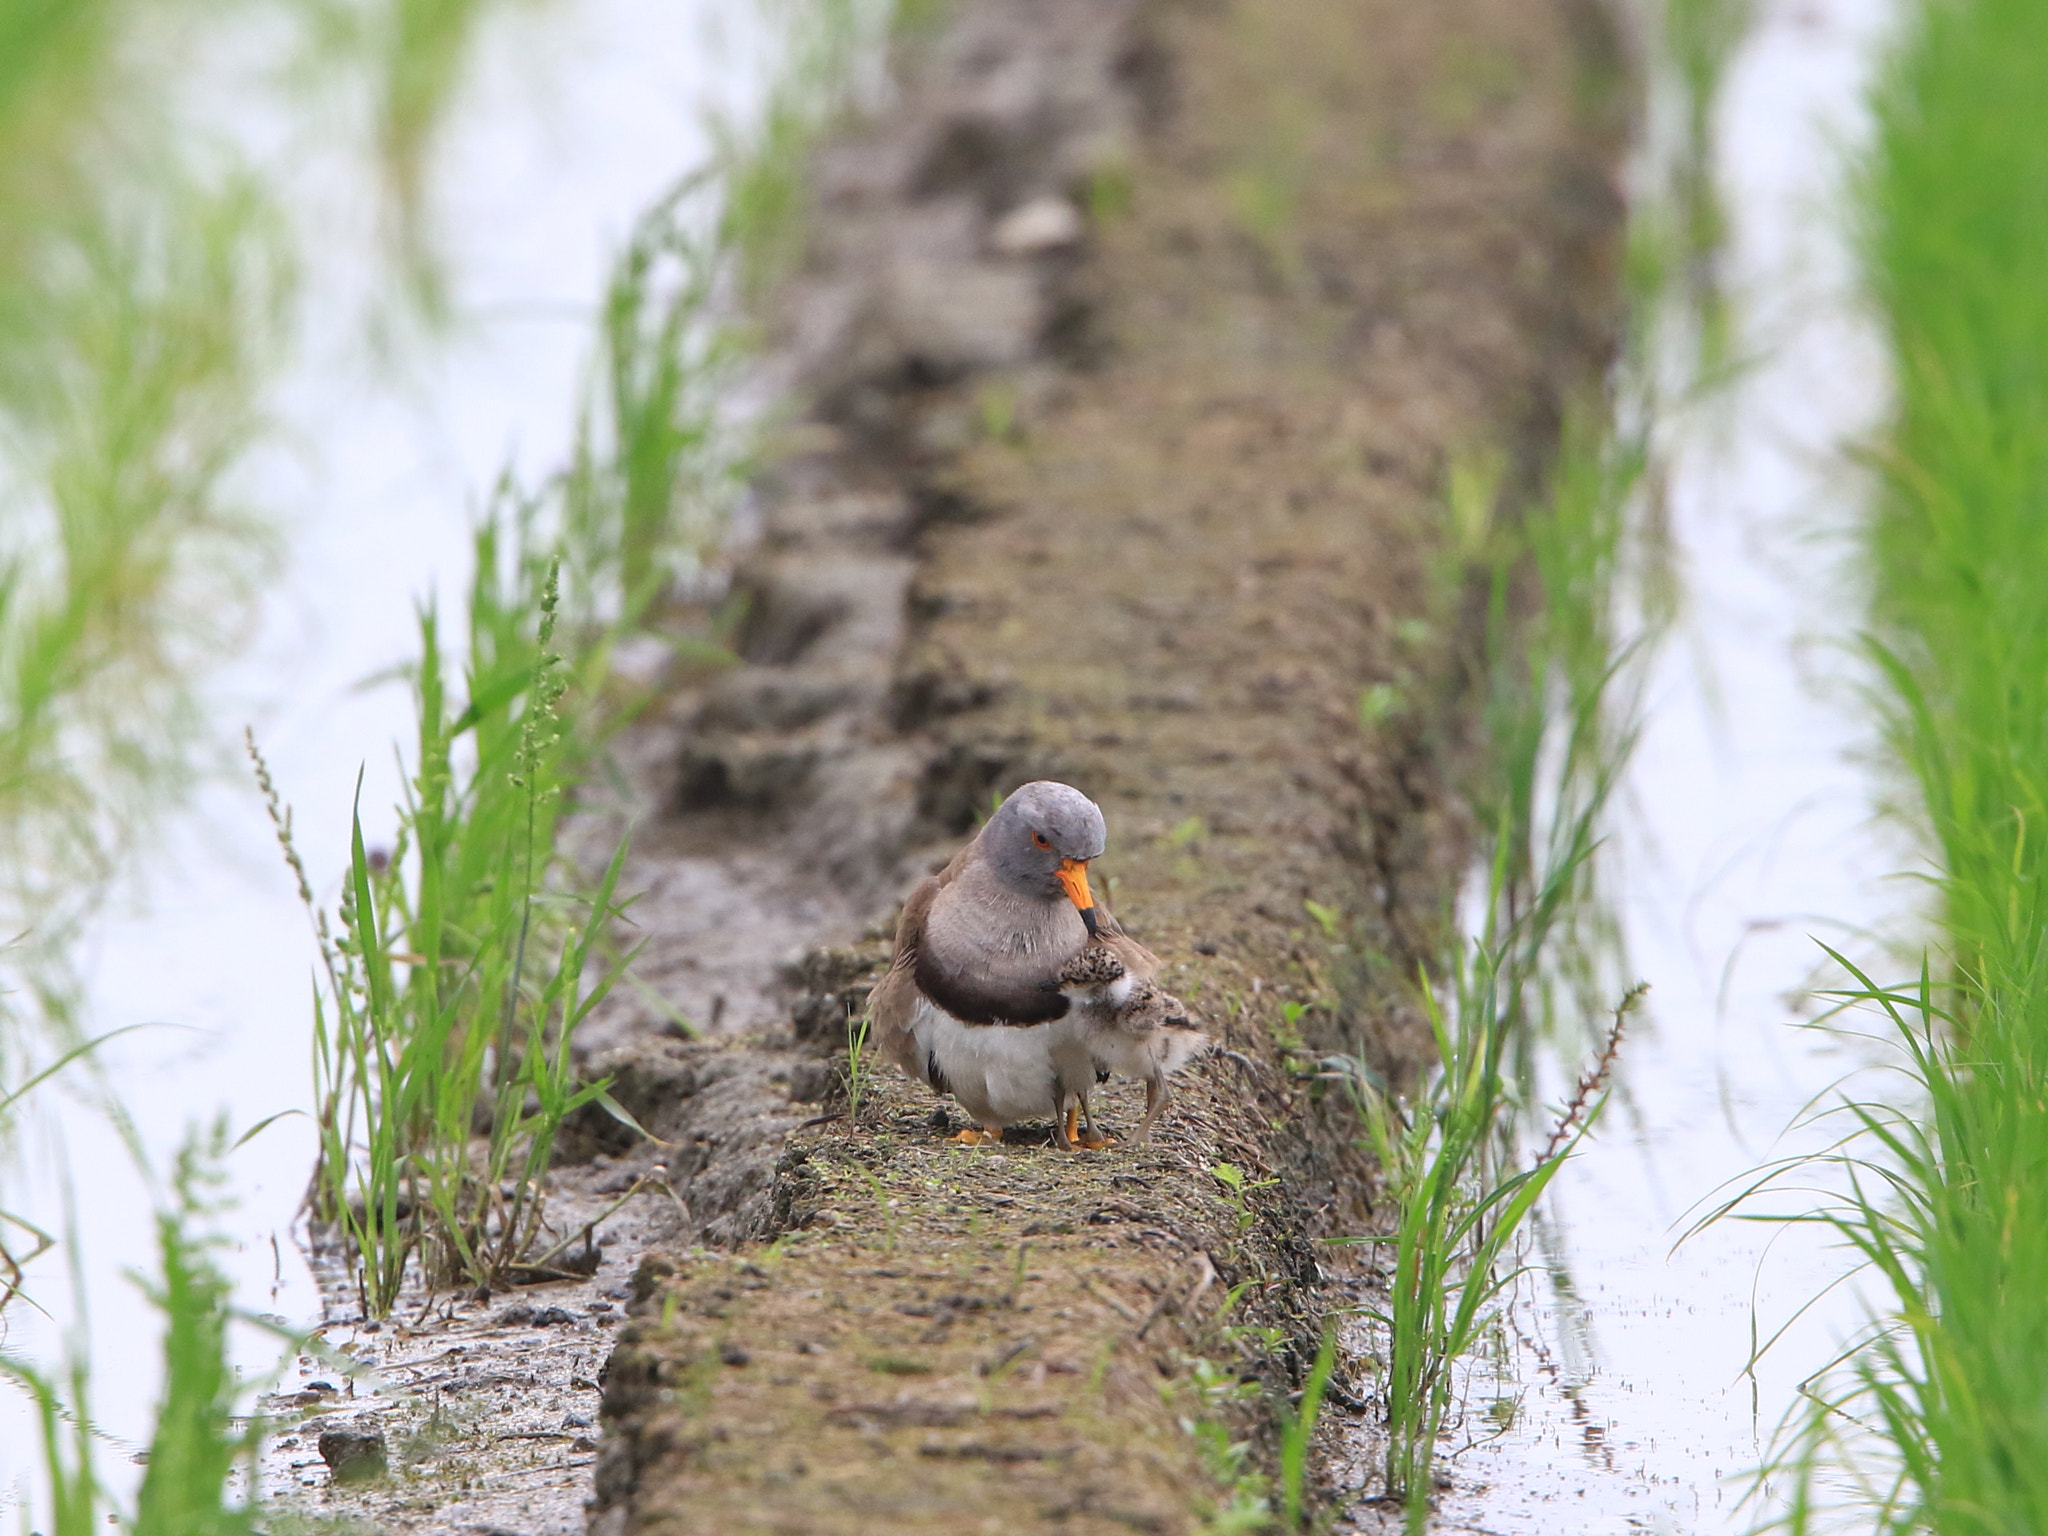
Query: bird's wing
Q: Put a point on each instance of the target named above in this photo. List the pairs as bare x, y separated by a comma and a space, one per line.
893, 1002
1139, 963
890, 1007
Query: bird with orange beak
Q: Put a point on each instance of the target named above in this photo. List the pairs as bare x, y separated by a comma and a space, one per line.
973, 1004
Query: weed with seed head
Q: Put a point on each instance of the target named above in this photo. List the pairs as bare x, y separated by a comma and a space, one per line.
1460, 1198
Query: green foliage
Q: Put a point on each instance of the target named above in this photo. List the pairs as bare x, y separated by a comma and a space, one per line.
205, 1444
146, 278
1297, 1433
140, 295
1700, 38
764, 167
643, 500
1460, 1196
1944, 1205
1565, 601
860, 1070
459, 973
1232, 1178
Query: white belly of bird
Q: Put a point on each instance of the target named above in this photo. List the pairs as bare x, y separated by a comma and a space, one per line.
1003, 1073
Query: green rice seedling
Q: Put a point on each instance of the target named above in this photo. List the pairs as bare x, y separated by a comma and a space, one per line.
643, 500
1699, 42
144, 281
399, 67
201, 1460
1461, 1207
125, 400
657, 458
1560, 715
1948, 1432
764, 167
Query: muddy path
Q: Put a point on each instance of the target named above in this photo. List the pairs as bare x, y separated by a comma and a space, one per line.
1130, 353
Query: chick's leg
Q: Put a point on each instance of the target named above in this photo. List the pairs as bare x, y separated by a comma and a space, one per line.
1156, 1094
1091, 1138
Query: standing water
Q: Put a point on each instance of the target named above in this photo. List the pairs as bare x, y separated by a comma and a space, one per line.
1747, 835
576, 119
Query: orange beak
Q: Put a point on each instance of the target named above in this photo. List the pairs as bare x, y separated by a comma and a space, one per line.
1074, 876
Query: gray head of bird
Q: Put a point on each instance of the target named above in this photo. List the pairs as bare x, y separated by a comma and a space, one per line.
1040, 840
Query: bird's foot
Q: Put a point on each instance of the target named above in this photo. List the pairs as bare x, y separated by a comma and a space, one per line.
974, 1136
1076, 1139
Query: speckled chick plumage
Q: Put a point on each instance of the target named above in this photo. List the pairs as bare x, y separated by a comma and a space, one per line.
1135, 1027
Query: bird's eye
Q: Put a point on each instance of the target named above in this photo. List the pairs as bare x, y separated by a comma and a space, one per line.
1040, 839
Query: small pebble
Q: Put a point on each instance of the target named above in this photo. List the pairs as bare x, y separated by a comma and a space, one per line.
732, 1354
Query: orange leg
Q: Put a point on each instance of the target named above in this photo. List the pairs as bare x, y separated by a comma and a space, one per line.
1091, 1142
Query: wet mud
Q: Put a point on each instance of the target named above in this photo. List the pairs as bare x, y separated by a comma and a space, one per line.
1131, 349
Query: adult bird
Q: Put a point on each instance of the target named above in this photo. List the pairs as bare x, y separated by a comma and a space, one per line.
973, 1003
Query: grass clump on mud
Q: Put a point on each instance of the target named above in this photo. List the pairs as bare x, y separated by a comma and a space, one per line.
1936, 1423
463, 959
459, 975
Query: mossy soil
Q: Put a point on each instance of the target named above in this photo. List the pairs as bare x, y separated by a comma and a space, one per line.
962, 1338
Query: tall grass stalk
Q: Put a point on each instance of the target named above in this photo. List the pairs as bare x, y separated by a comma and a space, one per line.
656, 454
1560, 715
1947, 1205
1297, 1432
457, 969
834, 54
659, 451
